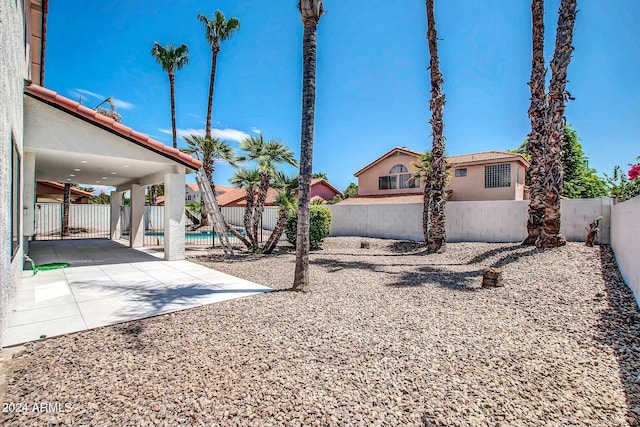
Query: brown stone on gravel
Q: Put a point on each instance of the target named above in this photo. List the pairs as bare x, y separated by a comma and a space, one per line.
492, 277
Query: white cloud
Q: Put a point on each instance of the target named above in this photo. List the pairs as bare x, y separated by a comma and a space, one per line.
256, 130
89, 93
225, 134
124, 105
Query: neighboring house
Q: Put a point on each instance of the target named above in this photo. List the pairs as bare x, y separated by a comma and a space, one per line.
45, 136
320, 189
53, 192
490, 175
191, 193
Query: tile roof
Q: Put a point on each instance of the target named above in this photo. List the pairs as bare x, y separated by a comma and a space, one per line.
59, 186
76, 109
485, 156
403, 150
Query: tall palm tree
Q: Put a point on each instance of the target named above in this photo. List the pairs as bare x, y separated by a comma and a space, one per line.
536, 139
249, 180
66, 202
267, 155
209, 150
171, 59
558, 95
310, 13
434, 190
217, 29
424, 171
287, 188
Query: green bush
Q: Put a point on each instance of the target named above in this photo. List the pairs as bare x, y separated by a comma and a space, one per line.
319, 227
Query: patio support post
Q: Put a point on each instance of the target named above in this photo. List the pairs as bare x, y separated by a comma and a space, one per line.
29, 196
116, 225
136, 235
174, 221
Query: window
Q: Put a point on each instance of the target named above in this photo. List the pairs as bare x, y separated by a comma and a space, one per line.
388, 182
16, 167
407, 182
398, 169
461, 172
497, 176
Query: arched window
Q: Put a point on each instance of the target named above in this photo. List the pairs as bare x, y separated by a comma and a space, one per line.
398, 169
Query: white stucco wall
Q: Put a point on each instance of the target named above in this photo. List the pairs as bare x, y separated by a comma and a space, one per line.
12, 74
625, 242
489, 221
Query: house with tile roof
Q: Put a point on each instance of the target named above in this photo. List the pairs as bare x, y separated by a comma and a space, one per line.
489, 175
47, 137
53, 192
321, 189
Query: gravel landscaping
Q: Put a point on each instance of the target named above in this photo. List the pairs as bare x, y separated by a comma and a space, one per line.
386, 336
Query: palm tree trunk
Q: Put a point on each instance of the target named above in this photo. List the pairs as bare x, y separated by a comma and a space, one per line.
212, 79
66, 202
172, 93
437, 197
551, 236
153, 195
262, 198
309, 47
425, 211
277, 232
236, 233
195, 222
538, 116
248, 216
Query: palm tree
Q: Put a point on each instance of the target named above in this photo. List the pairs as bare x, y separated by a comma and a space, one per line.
424, 171
434, 193
66, 202
310, 13
217, 29
249, 180
320, 175
209, 150
287, 189
538, 115
552, 161
171, 59
266, 155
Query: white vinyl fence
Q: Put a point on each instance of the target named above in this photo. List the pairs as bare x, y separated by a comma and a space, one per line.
491, 221
625, 242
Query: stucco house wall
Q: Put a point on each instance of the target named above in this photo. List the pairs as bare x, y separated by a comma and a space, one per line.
368, 180
13, 71
320, 189
472, 186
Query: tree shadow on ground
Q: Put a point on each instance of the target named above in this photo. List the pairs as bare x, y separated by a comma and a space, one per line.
619, 329
407, 247
511, 248
464, 281
333, 265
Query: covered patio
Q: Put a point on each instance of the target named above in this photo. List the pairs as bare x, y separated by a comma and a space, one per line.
108, 283
67, 142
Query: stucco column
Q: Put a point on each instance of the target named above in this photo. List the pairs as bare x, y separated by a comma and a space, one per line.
116, 225
136, 235
29, 194
174, 217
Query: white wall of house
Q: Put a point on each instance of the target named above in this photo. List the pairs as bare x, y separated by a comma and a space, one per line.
625, 242
13, 71
489, 221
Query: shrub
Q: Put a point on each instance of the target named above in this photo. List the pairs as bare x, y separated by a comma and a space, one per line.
319, 226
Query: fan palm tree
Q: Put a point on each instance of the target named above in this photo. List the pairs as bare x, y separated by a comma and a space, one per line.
217, 29
249, 180
66, 203
267, 155
287, 189
424, 172
434, 190
310, 12
171, 59
558, 95
538, 115
209, 150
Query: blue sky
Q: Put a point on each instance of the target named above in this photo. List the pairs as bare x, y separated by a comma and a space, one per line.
372, 78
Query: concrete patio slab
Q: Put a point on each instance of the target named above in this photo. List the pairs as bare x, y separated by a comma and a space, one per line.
107, 283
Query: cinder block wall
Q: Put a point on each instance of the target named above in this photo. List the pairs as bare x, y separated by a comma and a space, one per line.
490, 221
625, 242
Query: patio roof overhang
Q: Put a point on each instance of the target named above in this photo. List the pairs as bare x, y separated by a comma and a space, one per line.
74, 144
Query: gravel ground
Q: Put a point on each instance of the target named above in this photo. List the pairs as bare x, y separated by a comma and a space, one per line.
386, 336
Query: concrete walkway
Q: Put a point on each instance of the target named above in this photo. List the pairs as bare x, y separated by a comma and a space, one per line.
107, 283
